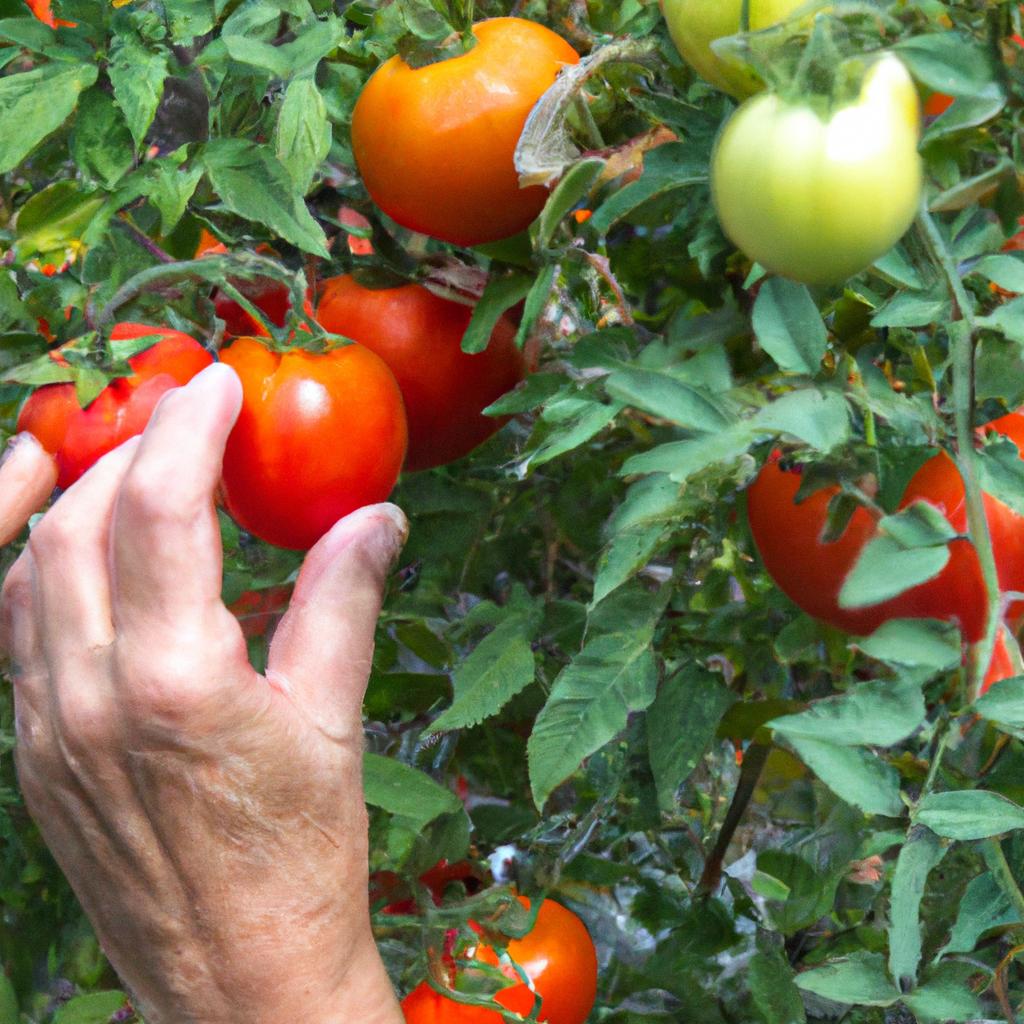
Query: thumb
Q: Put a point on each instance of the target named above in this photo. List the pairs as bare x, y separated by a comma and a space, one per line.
28, 474
323, 648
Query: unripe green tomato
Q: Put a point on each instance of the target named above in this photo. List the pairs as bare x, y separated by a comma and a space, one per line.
820, 200
695, 24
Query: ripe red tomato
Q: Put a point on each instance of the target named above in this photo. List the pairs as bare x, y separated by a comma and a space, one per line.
79, 437
386, 885
558, 957
257, 609
319, 435
811, 572
435, 144
419, 335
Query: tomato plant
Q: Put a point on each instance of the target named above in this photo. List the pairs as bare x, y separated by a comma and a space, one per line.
815, 199
435, 144
79, 437
695, 24
319, 435
558, 958
419, 335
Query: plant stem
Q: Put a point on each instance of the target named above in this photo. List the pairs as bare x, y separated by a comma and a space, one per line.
750, 773
962, 332
1000, 868
936, 759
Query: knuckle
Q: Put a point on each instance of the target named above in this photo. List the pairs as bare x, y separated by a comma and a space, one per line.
54, 535
144, 496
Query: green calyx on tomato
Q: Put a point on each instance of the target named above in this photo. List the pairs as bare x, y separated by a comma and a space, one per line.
435, 145
819, 199
695, 24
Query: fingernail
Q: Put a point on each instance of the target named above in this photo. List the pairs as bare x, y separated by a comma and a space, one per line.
18, 443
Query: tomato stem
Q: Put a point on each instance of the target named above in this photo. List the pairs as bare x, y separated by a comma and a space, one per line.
962, 332
992, 849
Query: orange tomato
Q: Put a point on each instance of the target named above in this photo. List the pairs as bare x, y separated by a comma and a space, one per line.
435, 144
558, 957
419, 335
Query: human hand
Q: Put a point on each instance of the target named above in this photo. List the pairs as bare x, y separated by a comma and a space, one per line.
27, 476
210, 819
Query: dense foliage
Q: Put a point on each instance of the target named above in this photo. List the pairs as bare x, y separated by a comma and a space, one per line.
584, 682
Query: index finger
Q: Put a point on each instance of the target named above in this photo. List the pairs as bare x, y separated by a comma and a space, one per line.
166, 549
28, 475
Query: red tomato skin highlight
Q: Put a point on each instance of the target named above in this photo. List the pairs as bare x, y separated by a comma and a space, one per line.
80, 437
318, 436
419, 336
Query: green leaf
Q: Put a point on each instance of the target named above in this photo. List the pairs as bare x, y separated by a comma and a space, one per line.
789, 327
668, 398
1006, 271
404, 791
700, 699
969, 814
857, 980
885, 569
914, 643
922, 852
592, 697
983, 906
570, 190
101, 144
169, 189
949, 62
499, 667
302, 137
877, 713
1004, 704
854, 775
684, 459
919, 525
35, 103
312, 41
820, 418
137, 74
914, 309
946, 996
54, 220
501, 293
251, 182
667, 169
95, 1008
629, 551
8, 1001
1001, 473
799, 895
587, 417
774, 991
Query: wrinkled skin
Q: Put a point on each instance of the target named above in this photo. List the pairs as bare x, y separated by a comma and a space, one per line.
210, 819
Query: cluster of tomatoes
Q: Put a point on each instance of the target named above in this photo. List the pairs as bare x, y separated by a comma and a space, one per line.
555, 962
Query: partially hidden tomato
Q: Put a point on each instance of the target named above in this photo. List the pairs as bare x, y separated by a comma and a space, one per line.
695, 24
257, 609
318, 436
435, 144
811, 571
419, 335
79, 437
271, 297
558, 957
389, 888
821, 199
